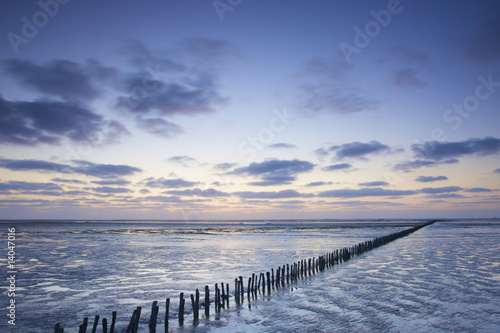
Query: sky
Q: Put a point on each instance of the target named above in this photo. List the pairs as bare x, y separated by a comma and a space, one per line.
239, 109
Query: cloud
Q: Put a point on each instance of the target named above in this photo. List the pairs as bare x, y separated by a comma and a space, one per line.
168, 183
428, 179
409, 165
198, 192
496, 170
274, 172
271, 195
32, 123
479, 189
224, 166
28, 186
438, 151
364, 192
282, 145
61, 78
104, 171
483, 42
407, 78
437, 190
318, 184
158, 126
359, 149
183, 160
445, 196
185, 84
111, 190
69, 181
120, 182
330, 89
378, 183
335, 167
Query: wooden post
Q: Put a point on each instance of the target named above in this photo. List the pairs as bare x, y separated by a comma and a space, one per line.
227, 294
242, 289
104, 325
113, 322
96, 322
83, 327
167, 314
57, 328
268, 283
223, 295
182, 306
153, 317
207, 302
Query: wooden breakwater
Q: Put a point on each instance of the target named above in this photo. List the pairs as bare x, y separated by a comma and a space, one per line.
261, 283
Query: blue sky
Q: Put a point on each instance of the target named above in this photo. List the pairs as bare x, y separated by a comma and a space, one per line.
249, 109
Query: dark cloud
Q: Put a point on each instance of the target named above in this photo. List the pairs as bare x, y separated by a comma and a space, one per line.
409, 165
104, 171
274, 172
483, 42
200, 193
407, 78
119, 182
327, 88
111, 190
445, 196
496, 170
439, 151
272, 195
69, 181
32, 123
377, 183
29, 165
364, 192
359, 149
479, 189
437, 190
28, 186
318, 184
282, 145
428, 179
182, 82
66, 79
168, 183
340, 166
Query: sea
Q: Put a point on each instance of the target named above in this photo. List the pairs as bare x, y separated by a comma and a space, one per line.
442, 278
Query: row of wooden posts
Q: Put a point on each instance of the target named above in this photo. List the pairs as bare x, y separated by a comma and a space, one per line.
257, 283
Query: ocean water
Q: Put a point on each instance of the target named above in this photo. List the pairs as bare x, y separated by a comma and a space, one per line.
444, 277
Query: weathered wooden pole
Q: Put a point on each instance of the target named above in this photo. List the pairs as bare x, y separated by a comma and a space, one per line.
167, 314
153, 317
207, 302
96, 322
268, 283
83, 327
182, 302
104, 325
113, 322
